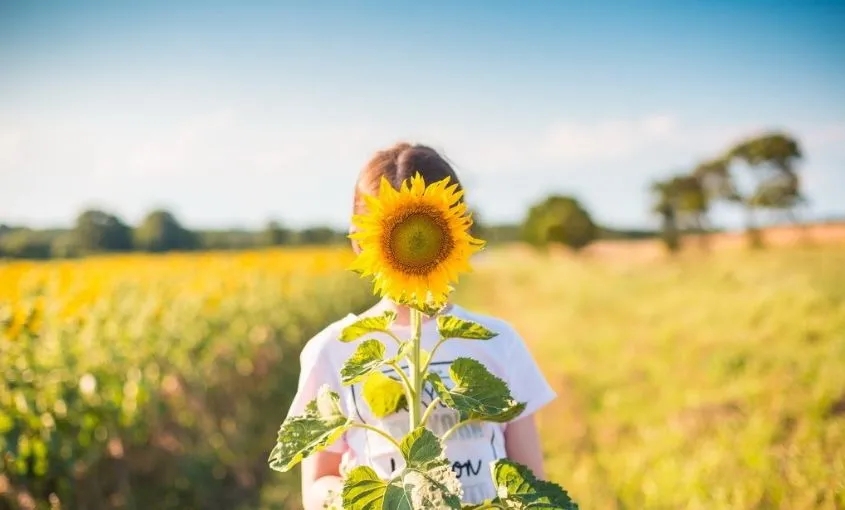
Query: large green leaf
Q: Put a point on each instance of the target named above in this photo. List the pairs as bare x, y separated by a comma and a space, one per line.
384, 395
363, 489
426, 482
450, 326
517, 487
320, 425
368, 356
421, 448
366, 325
477, 394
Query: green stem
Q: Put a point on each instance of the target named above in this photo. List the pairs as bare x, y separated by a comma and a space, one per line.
395, 338
429, 410
415, 368
459, 425
431, 354
406, 383
379, 432
395, 366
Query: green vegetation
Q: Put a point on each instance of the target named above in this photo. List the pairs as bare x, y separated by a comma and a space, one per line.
559, 220
684, 199
700, 382
703, 382
157, 382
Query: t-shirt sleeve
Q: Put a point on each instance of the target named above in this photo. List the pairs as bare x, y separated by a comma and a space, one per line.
316, 370
525, 379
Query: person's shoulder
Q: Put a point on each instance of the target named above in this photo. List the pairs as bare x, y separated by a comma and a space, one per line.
326, 342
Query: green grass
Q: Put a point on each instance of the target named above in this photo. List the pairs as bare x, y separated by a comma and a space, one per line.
704, 382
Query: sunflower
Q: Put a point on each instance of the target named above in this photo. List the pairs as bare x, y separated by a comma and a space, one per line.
414, 241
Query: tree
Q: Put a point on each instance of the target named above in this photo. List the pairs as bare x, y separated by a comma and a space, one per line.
274, 234
64, 246
24, 244
98, 231
683, 203
559, 219
772, 158
664, 205
319, 236
160, 231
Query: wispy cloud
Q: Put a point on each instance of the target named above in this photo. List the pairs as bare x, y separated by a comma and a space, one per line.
225, 142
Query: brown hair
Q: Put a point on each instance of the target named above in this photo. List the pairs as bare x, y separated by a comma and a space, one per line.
397, 164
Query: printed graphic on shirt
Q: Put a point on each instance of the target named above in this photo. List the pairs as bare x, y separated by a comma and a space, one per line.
470, 449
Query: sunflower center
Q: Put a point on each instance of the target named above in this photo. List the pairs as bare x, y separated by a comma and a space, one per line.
418, 241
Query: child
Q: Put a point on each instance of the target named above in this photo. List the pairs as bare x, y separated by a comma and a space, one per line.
472, 448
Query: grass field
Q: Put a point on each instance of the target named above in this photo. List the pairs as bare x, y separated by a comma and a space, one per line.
706, 382
709, 381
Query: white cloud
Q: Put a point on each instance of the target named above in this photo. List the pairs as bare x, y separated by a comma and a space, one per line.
226, 142
606, 140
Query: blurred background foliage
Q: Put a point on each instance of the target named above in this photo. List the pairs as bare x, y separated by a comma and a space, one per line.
157, 382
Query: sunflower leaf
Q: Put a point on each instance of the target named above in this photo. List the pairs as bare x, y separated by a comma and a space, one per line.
450, 326
363, 489
477, 394
384, 395
421, 448
368, 356
517, 487
366, 325
428, 308
427, 480
318, 427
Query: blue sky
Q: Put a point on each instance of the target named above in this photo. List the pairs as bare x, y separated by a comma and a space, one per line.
233, 113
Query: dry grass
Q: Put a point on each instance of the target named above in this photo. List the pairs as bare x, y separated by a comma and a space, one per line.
701, 382
775, 237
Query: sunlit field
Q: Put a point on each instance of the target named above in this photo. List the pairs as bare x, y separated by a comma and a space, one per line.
157, 382
709, 381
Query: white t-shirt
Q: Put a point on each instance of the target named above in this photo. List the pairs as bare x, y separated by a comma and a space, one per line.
470, 449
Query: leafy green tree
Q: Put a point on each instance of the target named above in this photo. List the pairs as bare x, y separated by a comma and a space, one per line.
559, 219
664, 205
772, 159
274, 234
25, 244
683, 203
98, 231
320, 236
64, 246
160, 231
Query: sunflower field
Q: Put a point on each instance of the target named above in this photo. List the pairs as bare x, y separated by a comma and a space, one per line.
157, 381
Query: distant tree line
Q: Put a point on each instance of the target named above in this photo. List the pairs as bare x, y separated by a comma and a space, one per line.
758, 173
557, 219
96, 231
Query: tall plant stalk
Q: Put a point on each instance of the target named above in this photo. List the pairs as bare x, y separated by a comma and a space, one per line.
415, 367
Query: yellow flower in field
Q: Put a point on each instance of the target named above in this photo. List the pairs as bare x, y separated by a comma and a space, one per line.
414, 241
